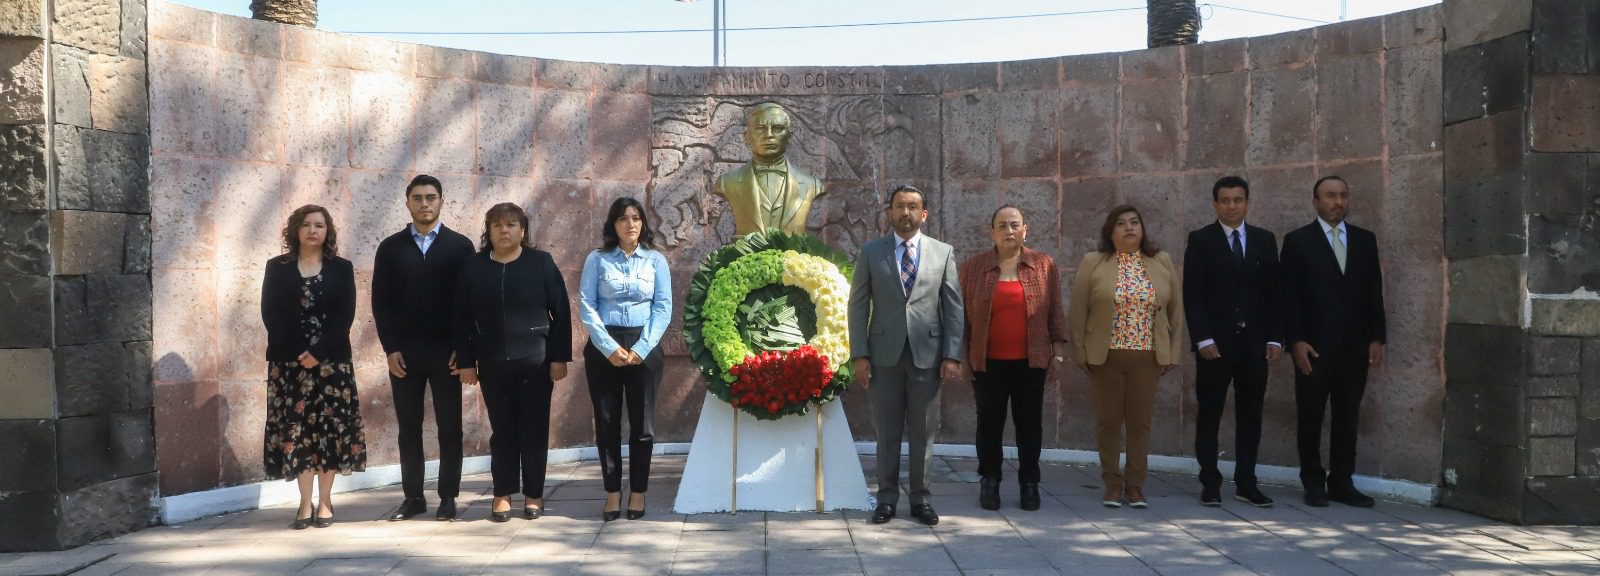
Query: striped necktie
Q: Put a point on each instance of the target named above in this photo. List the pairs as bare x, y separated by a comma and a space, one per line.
908, 267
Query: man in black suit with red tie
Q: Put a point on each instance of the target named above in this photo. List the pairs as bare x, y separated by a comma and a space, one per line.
1333, 302
1230, 294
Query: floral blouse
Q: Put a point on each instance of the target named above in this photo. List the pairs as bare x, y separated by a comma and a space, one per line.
1134, 326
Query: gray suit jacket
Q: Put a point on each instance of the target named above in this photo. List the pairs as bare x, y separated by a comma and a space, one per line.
883, 318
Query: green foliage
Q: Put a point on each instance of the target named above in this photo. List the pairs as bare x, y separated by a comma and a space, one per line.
707, 296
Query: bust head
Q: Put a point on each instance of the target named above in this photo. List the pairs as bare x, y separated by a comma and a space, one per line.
766, 131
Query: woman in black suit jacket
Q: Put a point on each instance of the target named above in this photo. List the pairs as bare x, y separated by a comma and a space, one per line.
514, 331
308, 302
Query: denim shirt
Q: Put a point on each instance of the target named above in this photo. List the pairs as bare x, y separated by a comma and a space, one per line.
626, 291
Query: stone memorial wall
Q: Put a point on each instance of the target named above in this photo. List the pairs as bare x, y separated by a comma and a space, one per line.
250, 120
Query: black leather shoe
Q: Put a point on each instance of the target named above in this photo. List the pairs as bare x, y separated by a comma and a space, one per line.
1349, 496
500, 516
989, 493
301, 523
1253, 497
324, 522
447, 510
1029, 498
532, 512
883, 514
925, 514
411, 507
1316, 498
1210, 496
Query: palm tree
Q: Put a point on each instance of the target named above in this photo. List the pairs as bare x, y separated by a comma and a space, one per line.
1172, 22
297, 12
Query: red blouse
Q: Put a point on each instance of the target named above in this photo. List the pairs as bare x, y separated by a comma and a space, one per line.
1008, 322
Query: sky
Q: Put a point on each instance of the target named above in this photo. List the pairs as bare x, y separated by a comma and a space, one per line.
1120, 27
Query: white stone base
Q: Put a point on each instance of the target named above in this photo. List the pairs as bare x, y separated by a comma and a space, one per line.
776, 463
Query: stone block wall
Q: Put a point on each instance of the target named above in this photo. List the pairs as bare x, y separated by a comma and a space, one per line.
1522, 198
250, 120
79, 450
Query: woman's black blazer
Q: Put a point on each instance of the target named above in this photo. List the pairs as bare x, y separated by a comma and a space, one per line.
512, 311
280, 309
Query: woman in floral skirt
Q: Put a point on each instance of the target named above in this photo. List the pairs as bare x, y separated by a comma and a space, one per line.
308, 302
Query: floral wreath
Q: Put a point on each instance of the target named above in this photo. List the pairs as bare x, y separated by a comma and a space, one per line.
766, 320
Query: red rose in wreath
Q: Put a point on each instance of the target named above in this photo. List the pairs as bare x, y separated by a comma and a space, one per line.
774, 381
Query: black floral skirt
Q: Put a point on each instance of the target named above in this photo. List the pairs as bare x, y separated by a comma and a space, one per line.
313, 421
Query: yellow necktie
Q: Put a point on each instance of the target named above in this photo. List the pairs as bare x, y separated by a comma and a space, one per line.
1339, 251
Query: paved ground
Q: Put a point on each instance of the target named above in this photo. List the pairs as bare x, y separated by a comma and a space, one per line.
1072, 534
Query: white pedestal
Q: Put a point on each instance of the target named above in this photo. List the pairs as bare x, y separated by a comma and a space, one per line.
776, 463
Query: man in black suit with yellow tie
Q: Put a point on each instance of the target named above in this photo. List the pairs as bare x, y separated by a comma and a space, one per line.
1333, 302
1230, 293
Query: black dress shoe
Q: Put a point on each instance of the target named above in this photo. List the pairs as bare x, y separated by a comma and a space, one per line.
324, 522
532, 512
1210, 496
1253, 497
1316, 498
989, 493
447, 510
301, 523
1349, 496
609, 515
411, 507
1029, 499
883, 513
500, 516
925, 514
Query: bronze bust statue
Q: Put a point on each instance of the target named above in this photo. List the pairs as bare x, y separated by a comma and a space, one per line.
769, 193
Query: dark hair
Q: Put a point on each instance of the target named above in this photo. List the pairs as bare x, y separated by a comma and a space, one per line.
1109, 247
1003, 207
909, 189
1314, 187
291, 231
608, 230
1230, 182
500, 212
425, 180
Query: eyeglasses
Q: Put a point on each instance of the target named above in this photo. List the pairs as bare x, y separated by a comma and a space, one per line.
429, 198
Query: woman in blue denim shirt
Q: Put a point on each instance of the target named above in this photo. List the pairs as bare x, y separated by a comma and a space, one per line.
625, 299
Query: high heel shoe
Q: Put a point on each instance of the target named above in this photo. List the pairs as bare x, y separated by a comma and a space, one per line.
609, 515
636, 514
301, 523
532, 512
501, 516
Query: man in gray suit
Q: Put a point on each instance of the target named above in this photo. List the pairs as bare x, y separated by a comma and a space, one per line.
905, 337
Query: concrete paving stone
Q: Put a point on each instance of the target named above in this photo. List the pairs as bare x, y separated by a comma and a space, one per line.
351, 566
723, 562
806, 521
746, 538
440, 566
813, 561
1011, 572
808, 539
527, 545
638, 542
988, 557
543, 565
628, 564
452, 545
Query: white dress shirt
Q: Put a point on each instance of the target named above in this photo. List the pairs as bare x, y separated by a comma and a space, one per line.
1244, 241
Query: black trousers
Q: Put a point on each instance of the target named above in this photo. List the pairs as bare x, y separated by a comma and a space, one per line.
516, 393
1010, 383
409, 393
1244, 366
1338, 377
609, 386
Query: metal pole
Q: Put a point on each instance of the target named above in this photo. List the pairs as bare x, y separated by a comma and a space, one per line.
724, 10
716, 33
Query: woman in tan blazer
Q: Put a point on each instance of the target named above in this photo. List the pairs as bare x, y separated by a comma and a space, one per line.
1126, 327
